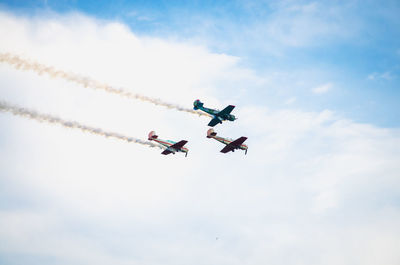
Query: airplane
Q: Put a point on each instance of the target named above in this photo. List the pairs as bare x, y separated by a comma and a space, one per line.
170, 146
231, 145
218, 116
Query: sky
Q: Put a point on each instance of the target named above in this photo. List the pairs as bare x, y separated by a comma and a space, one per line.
351, 47
316, 90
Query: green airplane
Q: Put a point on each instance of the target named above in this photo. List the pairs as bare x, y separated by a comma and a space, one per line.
218, 116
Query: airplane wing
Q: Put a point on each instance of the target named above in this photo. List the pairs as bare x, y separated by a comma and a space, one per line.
233, 145
178, 145
166, 152
227, 110
214, 122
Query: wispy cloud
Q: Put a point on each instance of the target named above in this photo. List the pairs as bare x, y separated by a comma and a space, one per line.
311, 24
322, 88
377, 76
80, 199
290, 101
139, 16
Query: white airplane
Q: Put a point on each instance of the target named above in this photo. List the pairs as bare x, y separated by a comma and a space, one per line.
170, 146
231, 145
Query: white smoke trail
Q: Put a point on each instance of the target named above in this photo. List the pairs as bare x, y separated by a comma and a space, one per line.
24, 64
31, 114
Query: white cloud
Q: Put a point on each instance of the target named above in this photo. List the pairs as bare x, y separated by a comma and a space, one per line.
290, 101
377, 76
311, 24
372, 76
286, 25
312, 184
322, 88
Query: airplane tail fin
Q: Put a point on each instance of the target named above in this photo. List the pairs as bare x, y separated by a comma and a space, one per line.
211, 133
197, 104
152, 135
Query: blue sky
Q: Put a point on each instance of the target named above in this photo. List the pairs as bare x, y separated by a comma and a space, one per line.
353, 45
316, 90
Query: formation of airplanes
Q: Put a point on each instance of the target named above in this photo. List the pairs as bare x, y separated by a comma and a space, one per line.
218, 117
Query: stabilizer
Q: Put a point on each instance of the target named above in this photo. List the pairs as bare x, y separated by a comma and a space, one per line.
211, 133
152, 135
197, 104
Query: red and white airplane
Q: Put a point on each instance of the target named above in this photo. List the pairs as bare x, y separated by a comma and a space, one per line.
231, 145
170, 146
